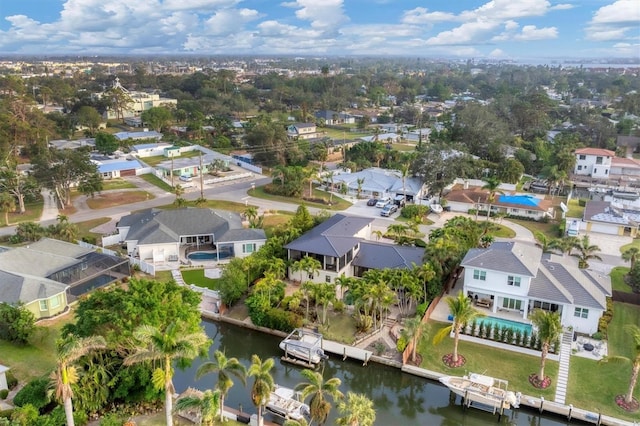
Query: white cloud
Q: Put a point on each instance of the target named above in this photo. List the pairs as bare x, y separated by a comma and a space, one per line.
562, 6
616, 21
421, 15
530, 32
468, 33
229, 21
497, 53
326, 15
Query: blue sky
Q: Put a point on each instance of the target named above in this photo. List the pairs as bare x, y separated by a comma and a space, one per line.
501, 29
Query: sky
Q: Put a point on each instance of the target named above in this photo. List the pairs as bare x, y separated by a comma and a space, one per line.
498, 29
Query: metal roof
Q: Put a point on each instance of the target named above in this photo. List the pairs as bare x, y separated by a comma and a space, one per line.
374, 255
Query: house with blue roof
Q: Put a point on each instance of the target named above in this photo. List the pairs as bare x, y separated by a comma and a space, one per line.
112, 168
149, 149
531, 206
511, 279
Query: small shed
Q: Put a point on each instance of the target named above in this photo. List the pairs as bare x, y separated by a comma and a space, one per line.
3, 377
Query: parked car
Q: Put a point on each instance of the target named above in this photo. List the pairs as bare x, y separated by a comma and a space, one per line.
383, 202
186, 178
388, 210
399, 200
372, 202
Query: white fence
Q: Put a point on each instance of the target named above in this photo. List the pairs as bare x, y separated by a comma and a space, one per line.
98, 249
144, 266
248, 166
226, 178
110, 240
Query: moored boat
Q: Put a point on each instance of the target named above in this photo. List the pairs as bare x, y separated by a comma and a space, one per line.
284, 402
482, 389
304, 345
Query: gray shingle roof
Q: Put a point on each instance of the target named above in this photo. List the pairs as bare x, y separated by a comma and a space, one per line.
25, 260
26, 288
49, 245
245, 234
380, 256
167, 226
563, 282
513, 257
333, 237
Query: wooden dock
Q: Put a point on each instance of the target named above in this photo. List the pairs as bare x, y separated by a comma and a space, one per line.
346, 351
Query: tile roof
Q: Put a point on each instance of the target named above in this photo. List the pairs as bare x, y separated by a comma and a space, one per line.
380, 256
596, 151
333, 237
509, 257
628, 163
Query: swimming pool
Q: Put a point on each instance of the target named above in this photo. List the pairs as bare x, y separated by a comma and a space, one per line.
208, 255
516, 326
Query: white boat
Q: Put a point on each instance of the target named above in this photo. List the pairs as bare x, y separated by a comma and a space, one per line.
304, 345
626, 195
284, 402
482, 389
436, 208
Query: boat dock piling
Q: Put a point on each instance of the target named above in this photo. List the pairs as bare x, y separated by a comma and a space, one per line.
347, 351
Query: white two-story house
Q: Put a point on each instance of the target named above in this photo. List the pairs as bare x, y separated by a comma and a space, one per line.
593, 162
516, 278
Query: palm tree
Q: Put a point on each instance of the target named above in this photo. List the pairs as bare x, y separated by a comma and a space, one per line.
225, 367
178, 190
262, 383
69, 351
378, 233
331, 176
207, 403
319, 389
549, 330
463, 313
491, 184
357, 410
412, 331
7, 205
359, 182
545, 243
586, 251
631, 255
634, 333
165, 346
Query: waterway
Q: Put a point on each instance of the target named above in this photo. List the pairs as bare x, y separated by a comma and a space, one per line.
399, 398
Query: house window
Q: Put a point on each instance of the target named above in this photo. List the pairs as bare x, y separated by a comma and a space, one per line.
43, 305
512, 304
579, 167
327, 279
595, 171
514, 281
598, 160
479, 275
581, 313
515, 211
606, 171
55, 302
583, 157
249, 248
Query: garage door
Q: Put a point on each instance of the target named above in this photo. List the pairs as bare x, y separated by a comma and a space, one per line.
604, 228
130, 172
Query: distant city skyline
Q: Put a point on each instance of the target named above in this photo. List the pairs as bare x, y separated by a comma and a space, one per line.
498, 29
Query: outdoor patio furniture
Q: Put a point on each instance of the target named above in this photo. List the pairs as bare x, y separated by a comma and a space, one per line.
588, 347
485, 303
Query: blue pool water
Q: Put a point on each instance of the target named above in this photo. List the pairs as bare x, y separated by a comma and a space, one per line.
208, 255
489, 321
520, 200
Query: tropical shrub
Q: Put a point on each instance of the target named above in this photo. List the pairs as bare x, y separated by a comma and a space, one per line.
17, 324
34, 393
4, 393
401, 344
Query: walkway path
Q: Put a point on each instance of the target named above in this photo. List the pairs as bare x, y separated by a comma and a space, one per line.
50, 208
563, 373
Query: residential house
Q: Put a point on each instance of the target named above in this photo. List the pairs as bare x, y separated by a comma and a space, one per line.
136, 136
302, 131
593, 162
43, 274
625, 170
514, 278
149, 149
526, 205
112, 168
379, 183
342, 246
332, 118
60, 144
168, 237
140, 102
610, 218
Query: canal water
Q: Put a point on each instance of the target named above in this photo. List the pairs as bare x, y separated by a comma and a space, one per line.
399, 398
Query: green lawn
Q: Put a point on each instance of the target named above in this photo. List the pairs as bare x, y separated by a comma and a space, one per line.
337, 202
549, 229
617, 279
111, 184
196, 276
502, 364
403, 147
37, 358
32, 213
340, 327
84, 228
501, 231
212, 204
342, 135
155, 180
575, 210
635, 243
157, 159
593, 385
